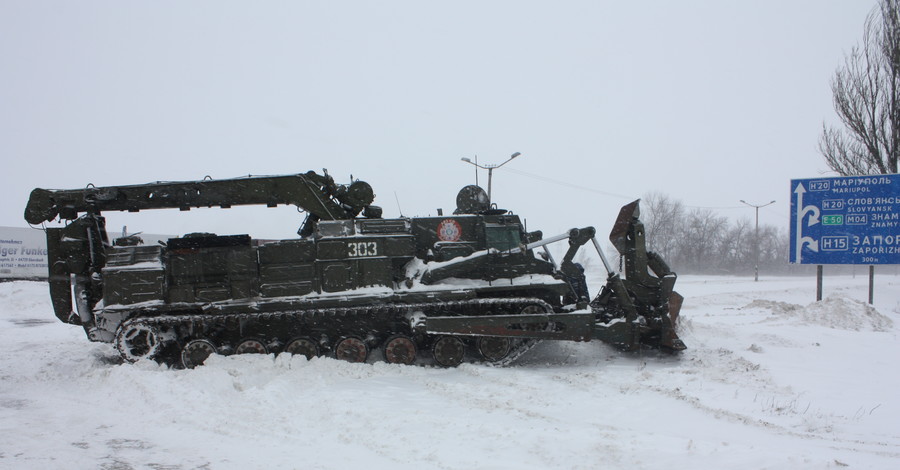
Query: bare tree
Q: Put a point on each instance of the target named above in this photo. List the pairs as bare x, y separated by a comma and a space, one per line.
736, 250
774, 247
866, 94
699, 241
662, 217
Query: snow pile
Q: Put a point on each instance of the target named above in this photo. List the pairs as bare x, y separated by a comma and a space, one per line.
835, 312
846, 314
797, 397
776, 307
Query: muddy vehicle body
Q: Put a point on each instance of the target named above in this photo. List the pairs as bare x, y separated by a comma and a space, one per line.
473, 285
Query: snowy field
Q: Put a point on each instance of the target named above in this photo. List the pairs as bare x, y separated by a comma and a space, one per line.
771, 380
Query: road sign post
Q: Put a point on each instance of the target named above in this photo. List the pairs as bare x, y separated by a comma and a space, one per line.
846, 220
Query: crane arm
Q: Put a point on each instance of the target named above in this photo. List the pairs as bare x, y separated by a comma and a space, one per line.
314, 193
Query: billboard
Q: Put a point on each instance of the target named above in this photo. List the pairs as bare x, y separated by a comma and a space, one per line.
845, 220
23, 253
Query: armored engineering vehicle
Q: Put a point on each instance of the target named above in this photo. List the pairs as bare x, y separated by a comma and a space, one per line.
474, 285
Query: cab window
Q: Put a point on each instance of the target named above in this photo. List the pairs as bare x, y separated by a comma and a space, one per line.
503, 237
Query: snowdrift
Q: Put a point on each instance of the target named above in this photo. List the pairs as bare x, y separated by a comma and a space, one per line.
770, 381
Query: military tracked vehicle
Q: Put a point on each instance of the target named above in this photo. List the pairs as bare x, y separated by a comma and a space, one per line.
474, 285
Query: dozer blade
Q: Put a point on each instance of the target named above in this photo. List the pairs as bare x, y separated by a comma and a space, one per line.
643, 292
623, 224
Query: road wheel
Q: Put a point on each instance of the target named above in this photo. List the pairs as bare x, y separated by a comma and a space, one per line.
303, 346
400, 349
351, 349
448, 351
196, 351
251, 346
493, 348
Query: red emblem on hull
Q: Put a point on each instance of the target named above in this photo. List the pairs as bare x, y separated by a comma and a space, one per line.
449, 230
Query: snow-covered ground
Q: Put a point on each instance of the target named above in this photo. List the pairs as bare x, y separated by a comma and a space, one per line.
771, 379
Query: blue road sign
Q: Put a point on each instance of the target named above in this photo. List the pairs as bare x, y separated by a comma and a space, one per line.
846, 220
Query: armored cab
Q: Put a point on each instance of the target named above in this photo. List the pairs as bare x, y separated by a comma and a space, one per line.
473, 284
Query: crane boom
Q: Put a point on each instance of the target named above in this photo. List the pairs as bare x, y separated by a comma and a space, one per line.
314, 193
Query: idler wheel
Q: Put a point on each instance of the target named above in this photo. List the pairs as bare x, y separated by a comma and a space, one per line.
400, 349
448, 351
251, 346
196, 351
351, 349
493, 348
302, 346
138, 341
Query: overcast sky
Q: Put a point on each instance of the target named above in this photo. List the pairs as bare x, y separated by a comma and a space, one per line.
709, 102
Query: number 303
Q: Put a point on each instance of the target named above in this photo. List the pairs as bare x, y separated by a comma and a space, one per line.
358, 249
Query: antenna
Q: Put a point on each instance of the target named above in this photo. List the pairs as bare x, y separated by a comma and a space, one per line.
398, 203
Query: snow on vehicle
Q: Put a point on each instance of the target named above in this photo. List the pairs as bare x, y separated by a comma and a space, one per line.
472, 285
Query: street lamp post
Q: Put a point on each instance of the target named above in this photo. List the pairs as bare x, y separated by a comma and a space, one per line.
757, 207
490, 169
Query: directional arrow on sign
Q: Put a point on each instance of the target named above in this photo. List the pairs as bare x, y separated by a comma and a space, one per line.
813, 213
